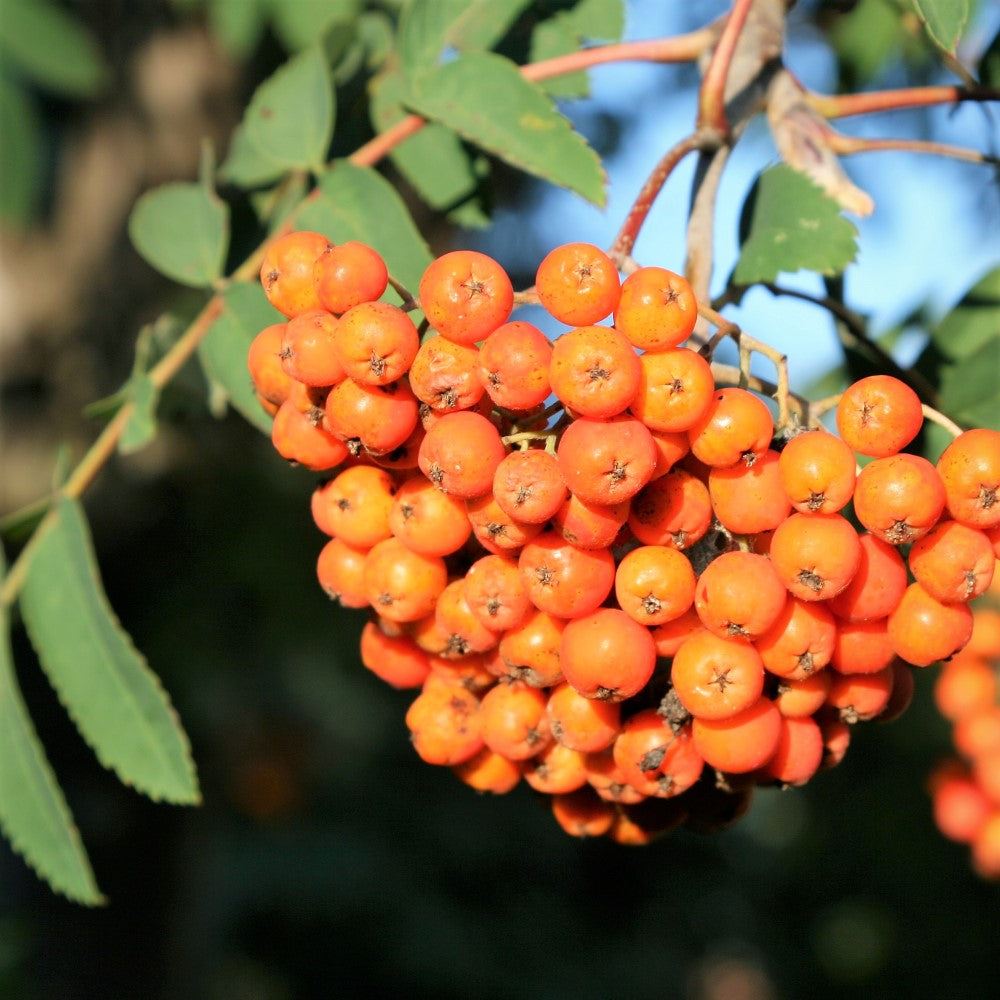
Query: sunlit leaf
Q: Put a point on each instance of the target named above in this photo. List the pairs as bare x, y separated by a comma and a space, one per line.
51, 47
182, 229
34, 815
115, 700
485, 99
792, 225
223, 350
291, 114
945, 20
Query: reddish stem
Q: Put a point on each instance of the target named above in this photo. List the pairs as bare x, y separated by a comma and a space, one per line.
832, 106
712, 98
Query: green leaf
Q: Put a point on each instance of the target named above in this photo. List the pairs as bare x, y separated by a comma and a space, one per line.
557, 36
483, 23
970, 389
944, 20
182, 229
48, 45
975, 320
485, 99
299, 24
115, 700
433, 160
223, 350
291, 114
989, 65
34, 815
238, 24
791, 225
20, 155
245, 165
865, 39
599, 20
357, 203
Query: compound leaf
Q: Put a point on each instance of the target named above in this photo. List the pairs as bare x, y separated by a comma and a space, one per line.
944, 20
115, 700
484, 98
34, 815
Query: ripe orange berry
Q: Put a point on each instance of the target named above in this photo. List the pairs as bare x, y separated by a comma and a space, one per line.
583, 813
797, 699
608, 779
815, 555
307, 348
668, 637
899, 498
655, 759
817, 471
799, 752
578, 284
741, 743
594, 371
970, 470
427, 520
657, 308
606, 461
466, 295
444, 724
557, 770
607, 655
376, 342
513, 366
735, 427
565, 580
530, 651
286, 272
514, 722
581, 723
716, 678
354, 506
403, 586
877, 585
879, 415
465, 633
739, 595
965, 683
748, 500
589, 525
298, 437
470, 670
496, 593
801, 640
860, 697
378, 418
953, 561
960, 807
674, 510
396, 659
489, 771
675, 389
862, 647
443, 375
648, 820
654, 584
347, 274
495, 529
460, 454
340, 569
529, 486
924, 630
269, 377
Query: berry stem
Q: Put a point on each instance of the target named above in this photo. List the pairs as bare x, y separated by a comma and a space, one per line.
711, 99
846, 145
937, 417
832, 106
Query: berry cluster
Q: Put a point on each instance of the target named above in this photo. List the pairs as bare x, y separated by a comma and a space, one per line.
965, 789
606, 575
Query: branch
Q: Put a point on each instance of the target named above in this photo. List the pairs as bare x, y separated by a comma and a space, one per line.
845, 145
711, 99
832, 106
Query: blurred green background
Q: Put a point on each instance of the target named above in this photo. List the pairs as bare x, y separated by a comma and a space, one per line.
327, 859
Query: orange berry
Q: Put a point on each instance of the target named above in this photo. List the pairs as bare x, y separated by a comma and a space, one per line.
578, 284
496, 593
530, 652
529, 486
657, 308
513, 366
860, 697
924, 630
354, 506
970, 470
589, 525
716, 678
735, 427
397, 660
444, 724
965, 683
557, 770
748, 500
465, 633
583, 813
348, 274
675, 389
817, 471
606, 461
443, 375
489, 771
654, 584
739, 595
862, 647
797, 698
877, 585
378, 418
460, 454
340, 569
815, 555
594, 371
674, 510
607, 655
799, 752
307, 349
581, 723
740, 743
565, 580
403, 586
287, 269
375, 342
654, 758
514, 722
427, 520
466, 295
960, 807
879, 415
899, 498
269, 377
300, 438
801, 640
953, 561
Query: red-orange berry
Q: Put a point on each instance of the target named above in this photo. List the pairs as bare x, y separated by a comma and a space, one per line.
735, 427
607, 655
606, 461
466, 295
657, 308
879, 415
460, 454
578, 284
513, 366
594, 371
286, 272
970, 470
347, 274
